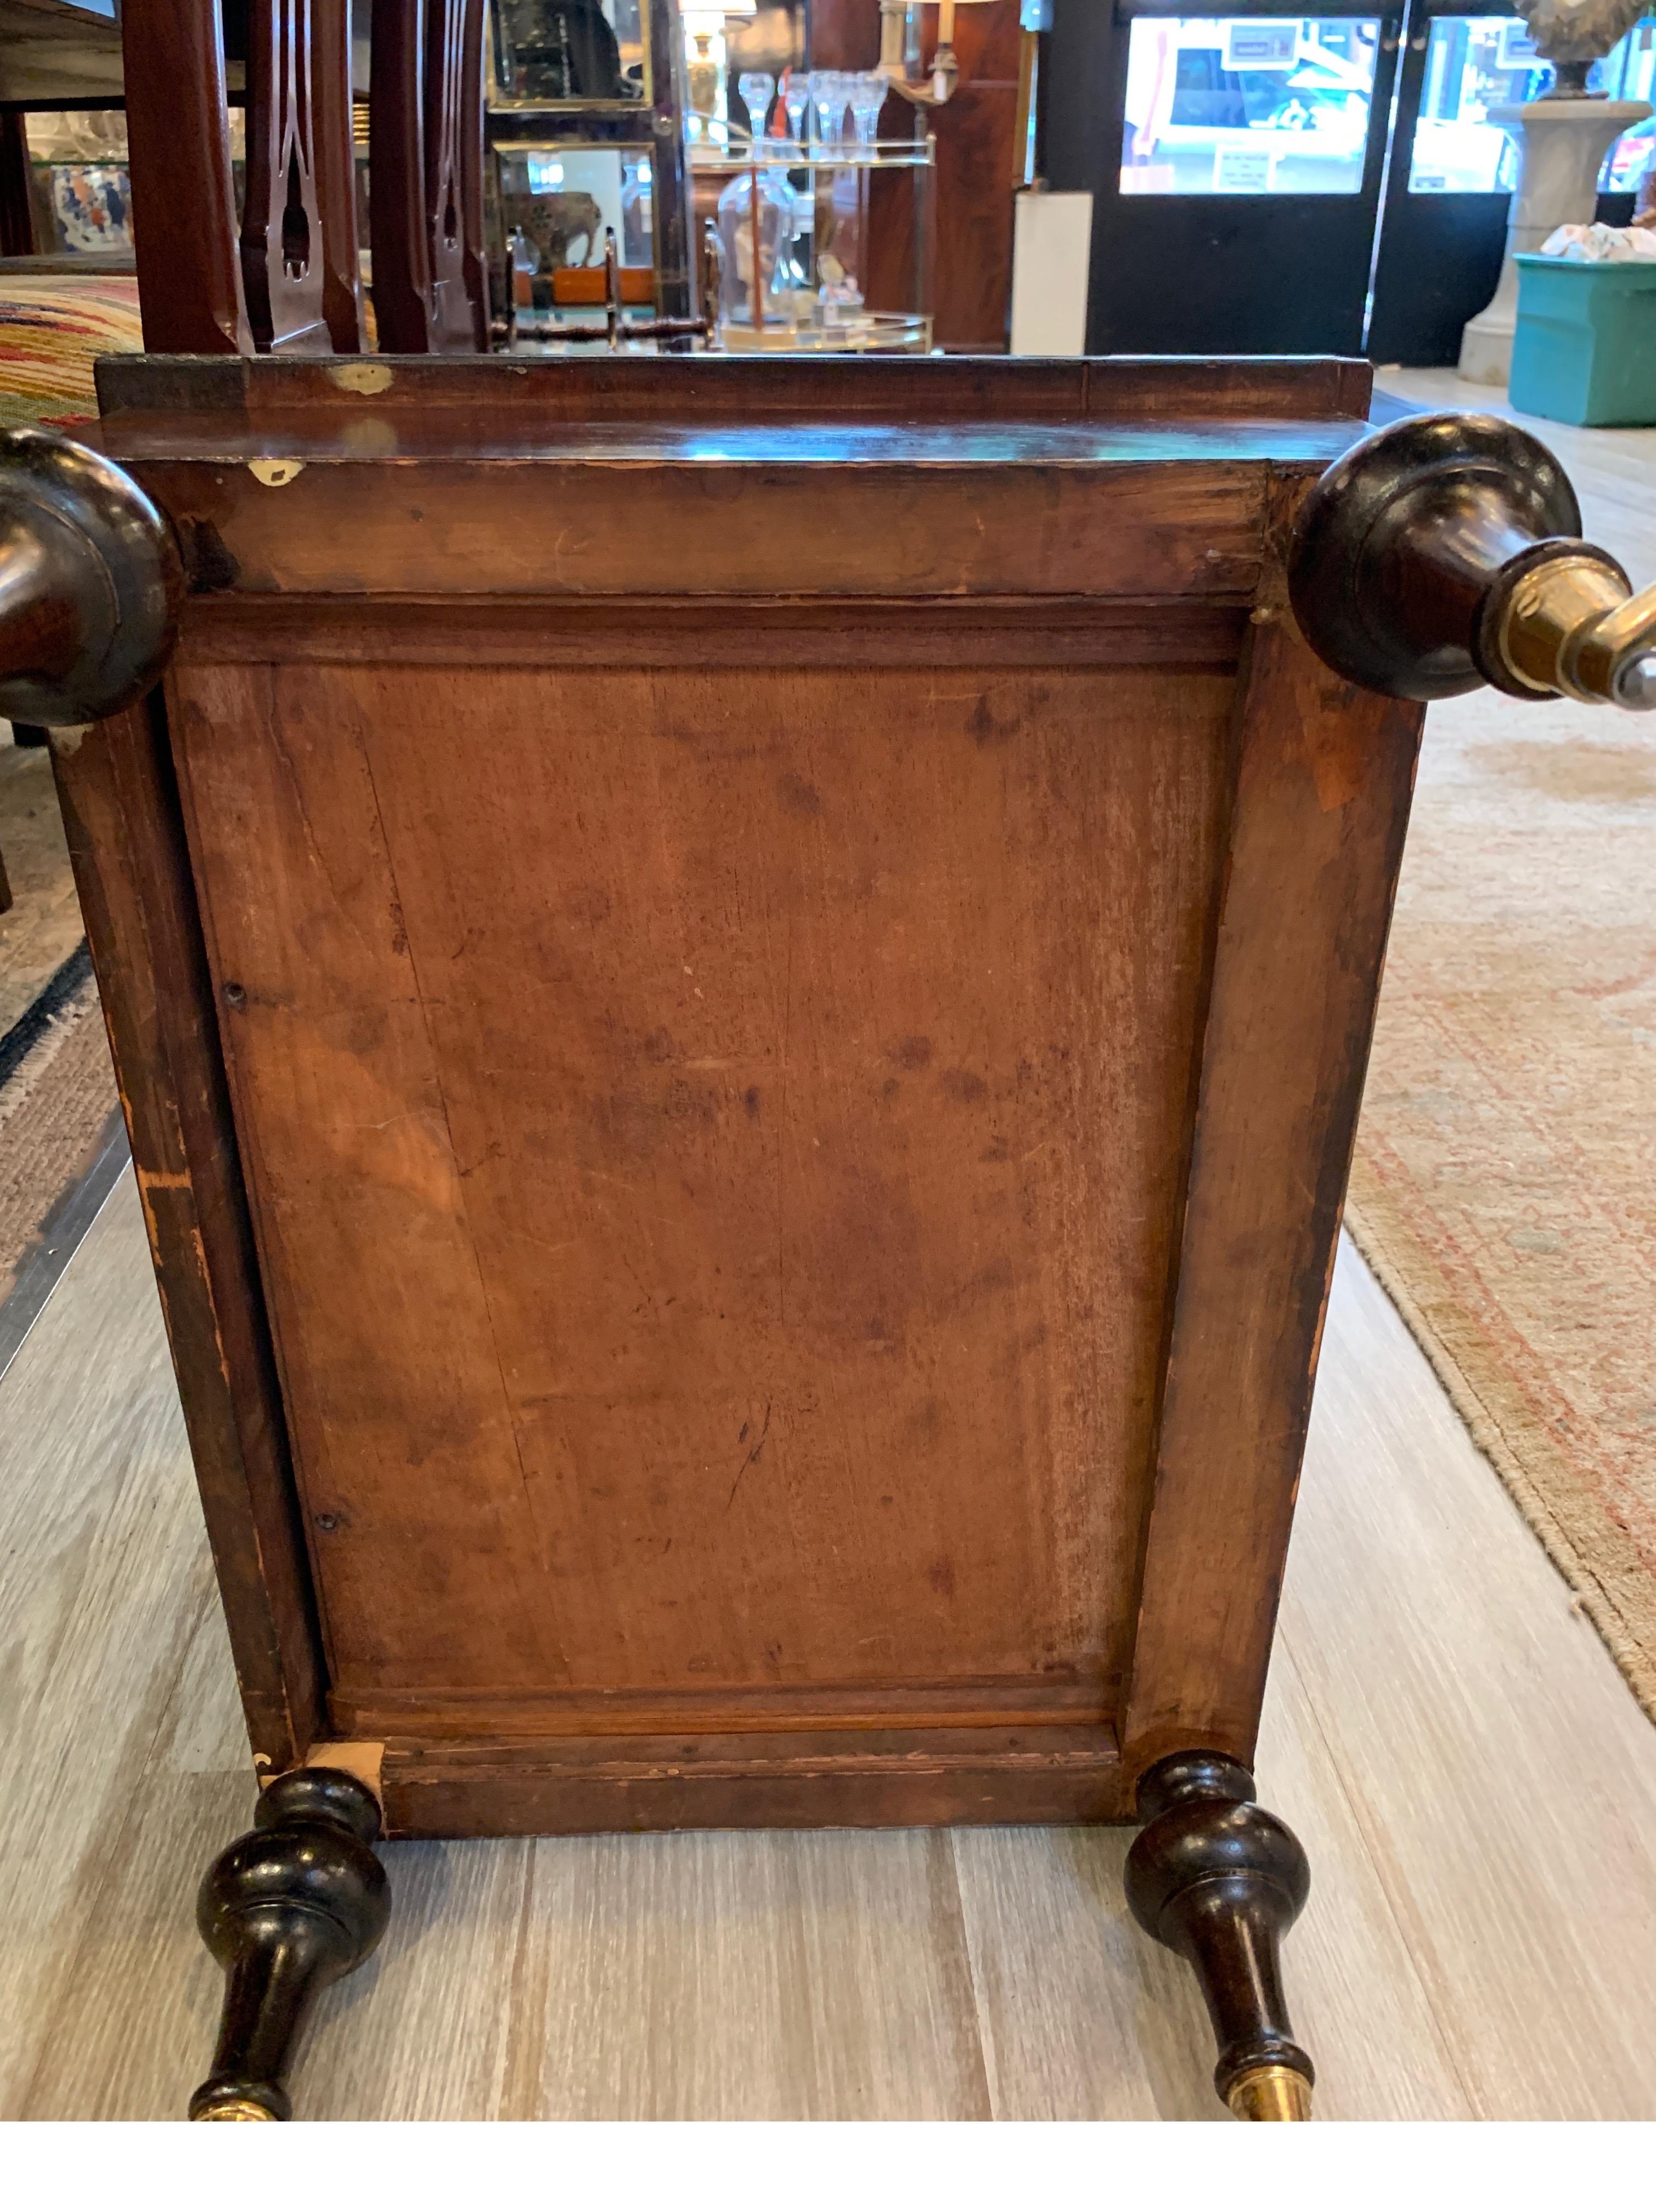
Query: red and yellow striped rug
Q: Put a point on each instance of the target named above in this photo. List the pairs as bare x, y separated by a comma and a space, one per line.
52, 331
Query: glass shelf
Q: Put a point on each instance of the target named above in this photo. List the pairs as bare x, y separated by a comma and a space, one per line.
785, 154
862, 330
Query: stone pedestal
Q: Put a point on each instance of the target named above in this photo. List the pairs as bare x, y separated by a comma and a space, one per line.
1562, 145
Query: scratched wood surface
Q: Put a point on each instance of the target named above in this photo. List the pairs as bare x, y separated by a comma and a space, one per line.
1324, 779
1474, 1783
127, 846
747, 1088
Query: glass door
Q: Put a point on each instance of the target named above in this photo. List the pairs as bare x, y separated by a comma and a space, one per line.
1236, 167
1443, 228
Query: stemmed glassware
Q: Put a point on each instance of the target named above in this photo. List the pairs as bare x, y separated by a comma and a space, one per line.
867, 90
828, 96
796, 99
756, 88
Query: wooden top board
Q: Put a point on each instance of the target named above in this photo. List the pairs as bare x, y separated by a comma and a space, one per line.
393, 480
502, 390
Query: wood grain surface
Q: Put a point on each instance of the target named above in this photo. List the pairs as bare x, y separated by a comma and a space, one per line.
744, 1110
1024, 631
178, 130
1323, 777
730, 1141
126, 843
869, 1776
664, 524
170, 397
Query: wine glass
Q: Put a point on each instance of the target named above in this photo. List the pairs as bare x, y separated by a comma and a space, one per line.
828, 97
867, 98
755, 88
796, 99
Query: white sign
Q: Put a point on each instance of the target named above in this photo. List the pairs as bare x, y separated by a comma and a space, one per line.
1260, 46
1244, 169
1052, 238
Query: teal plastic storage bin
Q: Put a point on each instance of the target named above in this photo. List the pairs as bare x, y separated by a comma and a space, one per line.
1586, 348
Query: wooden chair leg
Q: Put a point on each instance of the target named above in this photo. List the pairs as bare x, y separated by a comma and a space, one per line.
285, 1911
1221, 1881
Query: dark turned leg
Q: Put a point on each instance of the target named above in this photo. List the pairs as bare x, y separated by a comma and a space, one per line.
1219, 1880
285, 1911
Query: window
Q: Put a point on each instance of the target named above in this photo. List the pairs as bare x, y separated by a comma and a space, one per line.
1246, 104
1474, 62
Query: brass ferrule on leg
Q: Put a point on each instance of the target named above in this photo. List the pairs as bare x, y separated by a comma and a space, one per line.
238, 2108
1571, 627
1269, 2092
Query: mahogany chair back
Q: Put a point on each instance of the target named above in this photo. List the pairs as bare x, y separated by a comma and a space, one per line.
425, 166
285, 277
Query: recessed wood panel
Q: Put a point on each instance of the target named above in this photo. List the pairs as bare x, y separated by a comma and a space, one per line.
716, 1143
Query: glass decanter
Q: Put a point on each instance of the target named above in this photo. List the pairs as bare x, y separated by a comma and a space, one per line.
771, 232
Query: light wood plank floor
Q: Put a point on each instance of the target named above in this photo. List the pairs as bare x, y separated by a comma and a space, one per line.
1475, 1785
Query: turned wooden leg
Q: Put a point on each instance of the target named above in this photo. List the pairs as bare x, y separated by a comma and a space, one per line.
285, 1911
1219, 1880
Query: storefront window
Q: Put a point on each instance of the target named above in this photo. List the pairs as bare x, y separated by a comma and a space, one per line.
1474, 62
1247, 104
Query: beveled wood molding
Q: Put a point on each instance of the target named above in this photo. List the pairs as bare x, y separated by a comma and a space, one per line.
518, 630
911, 1777
858, 390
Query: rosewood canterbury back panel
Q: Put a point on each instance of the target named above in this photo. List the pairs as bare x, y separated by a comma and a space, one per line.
741, 989
718, 1022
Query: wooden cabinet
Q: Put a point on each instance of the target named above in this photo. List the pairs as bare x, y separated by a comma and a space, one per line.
791, 988
741, 989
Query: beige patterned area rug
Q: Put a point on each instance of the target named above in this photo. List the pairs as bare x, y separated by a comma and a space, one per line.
1505, 1183
57, 1086
57, 1096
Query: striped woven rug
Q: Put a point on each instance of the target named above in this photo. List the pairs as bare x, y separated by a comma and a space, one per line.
52, 331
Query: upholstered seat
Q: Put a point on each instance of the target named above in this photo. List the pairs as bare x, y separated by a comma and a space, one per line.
52, 330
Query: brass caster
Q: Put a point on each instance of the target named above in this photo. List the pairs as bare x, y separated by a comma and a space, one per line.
1271, 2093
239, 2108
